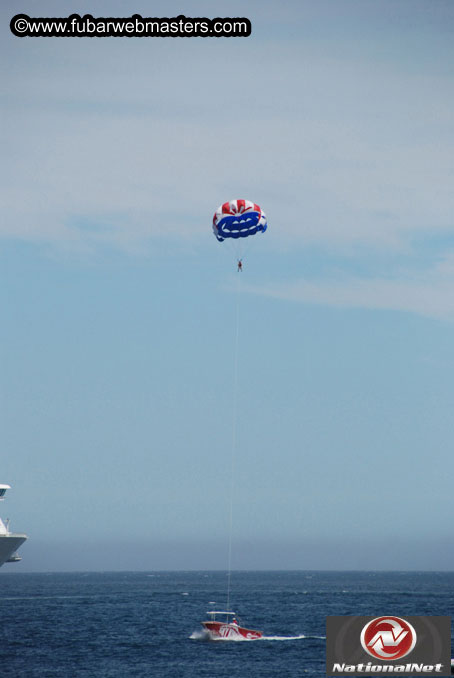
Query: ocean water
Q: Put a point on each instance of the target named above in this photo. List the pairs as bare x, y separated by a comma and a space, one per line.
121, 625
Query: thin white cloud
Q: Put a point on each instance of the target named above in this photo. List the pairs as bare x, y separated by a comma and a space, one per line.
431, 293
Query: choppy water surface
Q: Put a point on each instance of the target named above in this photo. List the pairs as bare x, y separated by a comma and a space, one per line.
117, 625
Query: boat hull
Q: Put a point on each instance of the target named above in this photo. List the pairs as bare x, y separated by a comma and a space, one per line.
221, 630
9, 543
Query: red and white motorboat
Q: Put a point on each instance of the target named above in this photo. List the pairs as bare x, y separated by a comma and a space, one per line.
224, 625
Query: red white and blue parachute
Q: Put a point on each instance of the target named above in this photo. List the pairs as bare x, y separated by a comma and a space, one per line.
238, 219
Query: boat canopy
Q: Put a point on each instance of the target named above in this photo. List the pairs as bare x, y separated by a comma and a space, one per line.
221, 612
230, 614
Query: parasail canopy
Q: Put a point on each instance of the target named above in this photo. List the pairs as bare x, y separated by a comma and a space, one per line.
238, 219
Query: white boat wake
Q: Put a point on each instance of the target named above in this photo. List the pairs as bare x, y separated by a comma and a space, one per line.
283, 637
204, 635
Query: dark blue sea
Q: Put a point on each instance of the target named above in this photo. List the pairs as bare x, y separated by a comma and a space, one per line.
121, 625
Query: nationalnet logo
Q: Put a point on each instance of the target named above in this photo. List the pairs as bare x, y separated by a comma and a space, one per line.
408, 646
388, 638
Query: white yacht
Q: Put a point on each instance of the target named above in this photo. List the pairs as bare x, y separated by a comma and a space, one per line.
9, 542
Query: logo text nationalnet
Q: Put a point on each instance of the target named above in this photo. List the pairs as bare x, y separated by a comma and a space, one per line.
388, 668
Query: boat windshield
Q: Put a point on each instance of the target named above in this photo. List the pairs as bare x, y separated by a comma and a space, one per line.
224, 617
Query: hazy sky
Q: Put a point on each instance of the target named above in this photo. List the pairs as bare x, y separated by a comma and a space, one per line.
118, 304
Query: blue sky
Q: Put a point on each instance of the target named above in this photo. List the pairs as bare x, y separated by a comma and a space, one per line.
118, 304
